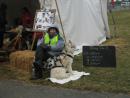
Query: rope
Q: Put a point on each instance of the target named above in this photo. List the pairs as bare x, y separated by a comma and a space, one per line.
60, 21
113, 19
114, 23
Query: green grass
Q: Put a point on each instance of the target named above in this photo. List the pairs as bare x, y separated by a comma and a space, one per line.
101, 79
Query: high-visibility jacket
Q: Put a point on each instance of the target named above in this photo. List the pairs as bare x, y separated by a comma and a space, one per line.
49, 41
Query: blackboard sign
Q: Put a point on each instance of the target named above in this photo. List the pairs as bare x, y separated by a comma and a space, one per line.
99, 56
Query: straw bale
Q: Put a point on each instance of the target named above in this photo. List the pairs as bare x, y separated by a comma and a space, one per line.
22, 60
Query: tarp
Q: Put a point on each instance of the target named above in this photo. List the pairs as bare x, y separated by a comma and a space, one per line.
85, 21
76, 75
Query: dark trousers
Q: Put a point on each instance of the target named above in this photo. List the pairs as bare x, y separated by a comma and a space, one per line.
40, 56
1, 39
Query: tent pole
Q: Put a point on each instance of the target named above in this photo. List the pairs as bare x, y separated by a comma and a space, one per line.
60, 21
34, 39
113, 20
114, 23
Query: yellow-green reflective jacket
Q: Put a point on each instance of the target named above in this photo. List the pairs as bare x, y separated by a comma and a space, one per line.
49, 41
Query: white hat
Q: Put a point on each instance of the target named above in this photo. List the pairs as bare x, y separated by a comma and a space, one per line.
54, 25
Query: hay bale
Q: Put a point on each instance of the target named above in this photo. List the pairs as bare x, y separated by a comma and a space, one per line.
4, 56
22, 60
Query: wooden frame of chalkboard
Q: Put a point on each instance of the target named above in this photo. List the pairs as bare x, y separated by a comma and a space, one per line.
99, 56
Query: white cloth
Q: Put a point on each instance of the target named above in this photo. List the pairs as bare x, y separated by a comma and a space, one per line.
76, 75
85, 21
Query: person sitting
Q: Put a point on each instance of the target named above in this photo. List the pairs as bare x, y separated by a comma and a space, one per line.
50, 45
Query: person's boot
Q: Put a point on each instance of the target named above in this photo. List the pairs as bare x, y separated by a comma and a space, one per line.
37, 72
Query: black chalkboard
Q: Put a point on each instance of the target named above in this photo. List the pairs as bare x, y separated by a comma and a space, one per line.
99, 56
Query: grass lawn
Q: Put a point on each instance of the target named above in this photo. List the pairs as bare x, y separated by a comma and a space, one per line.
101, 79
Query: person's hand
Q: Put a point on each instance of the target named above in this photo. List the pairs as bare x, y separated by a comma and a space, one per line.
47, 47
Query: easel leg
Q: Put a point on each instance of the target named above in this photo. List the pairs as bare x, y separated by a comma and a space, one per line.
34, 38
15, 43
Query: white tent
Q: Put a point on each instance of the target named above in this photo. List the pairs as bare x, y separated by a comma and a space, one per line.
85, 21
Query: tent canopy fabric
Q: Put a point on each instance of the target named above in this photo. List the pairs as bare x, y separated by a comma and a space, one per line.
85, 21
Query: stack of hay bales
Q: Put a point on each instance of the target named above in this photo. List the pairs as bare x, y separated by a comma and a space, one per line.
22, 60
